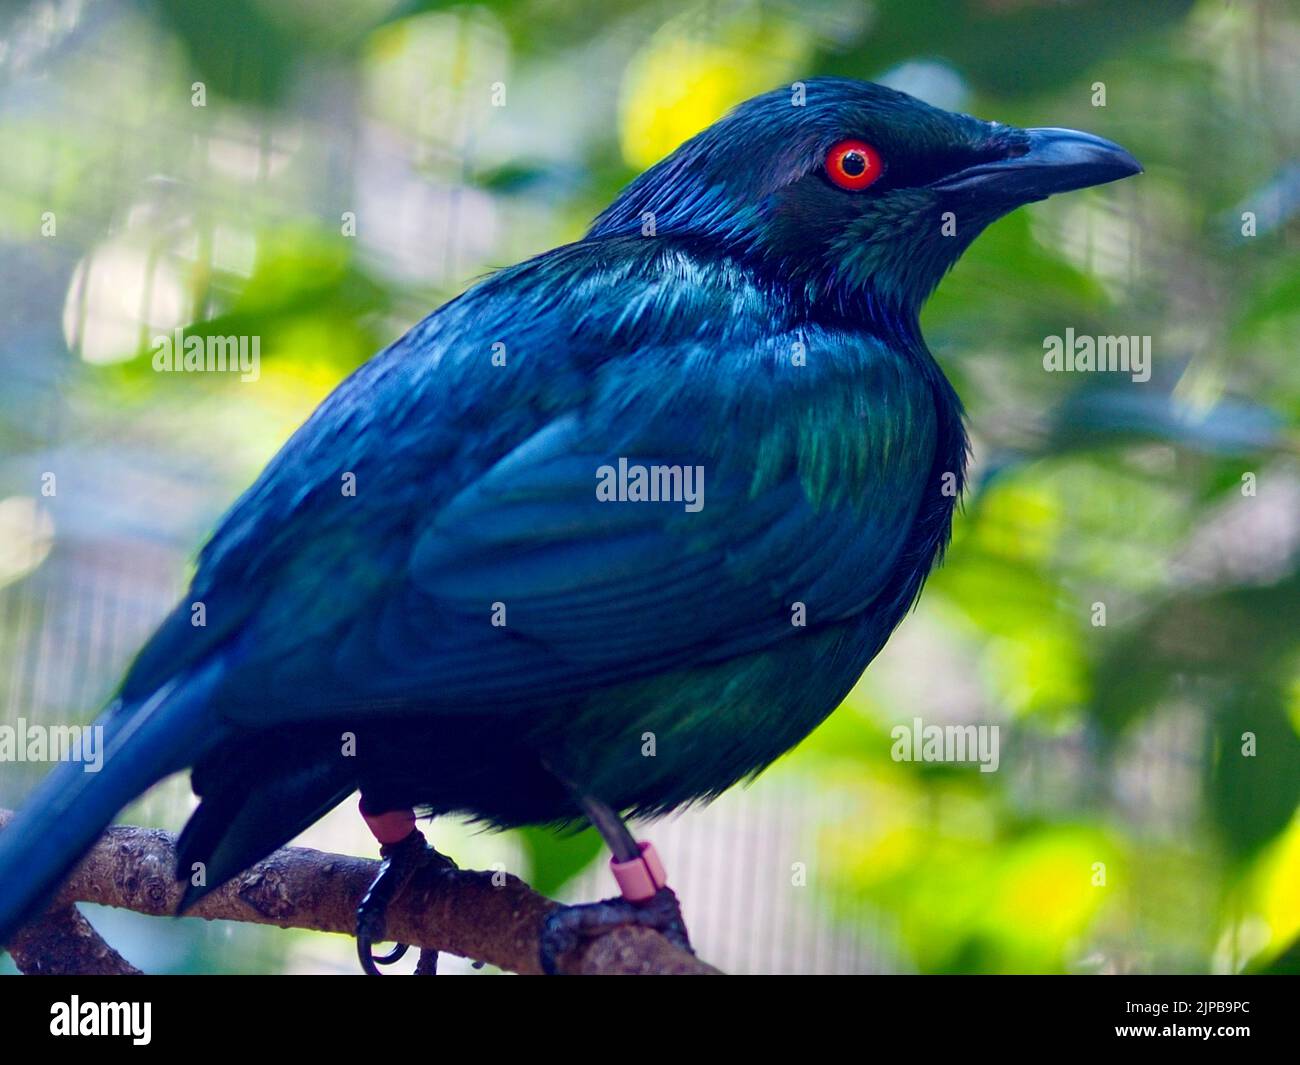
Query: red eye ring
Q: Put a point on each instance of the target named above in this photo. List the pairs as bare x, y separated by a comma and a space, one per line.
853, 165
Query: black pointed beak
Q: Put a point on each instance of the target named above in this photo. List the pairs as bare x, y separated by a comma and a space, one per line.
1050, 161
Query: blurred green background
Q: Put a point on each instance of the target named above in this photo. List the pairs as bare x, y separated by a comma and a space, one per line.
322, 174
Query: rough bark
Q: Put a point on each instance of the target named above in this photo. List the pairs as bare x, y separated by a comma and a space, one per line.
489, 917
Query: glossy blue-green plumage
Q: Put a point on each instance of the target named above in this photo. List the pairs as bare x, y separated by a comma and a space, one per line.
476, 485
766, 331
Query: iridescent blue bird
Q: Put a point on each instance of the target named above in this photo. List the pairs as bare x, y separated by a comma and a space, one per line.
678, 480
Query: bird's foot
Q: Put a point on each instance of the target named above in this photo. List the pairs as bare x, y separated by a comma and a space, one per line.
647, 902
401, 860
564, 928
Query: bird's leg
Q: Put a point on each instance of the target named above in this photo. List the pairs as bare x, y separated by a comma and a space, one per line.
647, 900
404, 850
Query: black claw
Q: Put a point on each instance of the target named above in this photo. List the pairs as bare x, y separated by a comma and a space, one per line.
557, 939
565, 927
400, 862
396, 954
370, 960
370, 922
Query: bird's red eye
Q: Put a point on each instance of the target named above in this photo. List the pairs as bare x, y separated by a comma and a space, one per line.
853, 165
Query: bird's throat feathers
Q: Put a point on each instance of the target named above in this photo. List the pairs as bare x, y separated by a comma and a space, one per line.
876, 276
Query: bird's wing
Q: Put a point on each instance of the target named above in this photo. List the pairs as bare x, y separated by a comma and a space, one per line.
475, 490
527, 586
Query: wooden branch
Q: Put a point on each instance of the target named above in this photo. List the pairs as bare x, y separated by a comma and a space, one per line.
490, 917
62, 943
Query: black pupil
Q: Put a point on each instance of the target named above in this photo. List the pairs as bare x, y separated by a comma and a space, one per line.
854, 164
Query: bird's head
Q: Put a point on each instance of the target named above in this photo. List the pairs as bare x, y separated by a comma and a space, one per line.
857, 195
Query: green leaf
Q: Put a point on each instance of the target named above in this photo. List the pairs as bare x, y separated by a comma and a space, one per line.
237, 50
1253, 787
1004, 48
555, 857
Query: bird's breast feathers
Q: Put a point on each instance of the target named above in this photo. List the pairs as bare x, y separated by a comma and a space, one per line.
653, 475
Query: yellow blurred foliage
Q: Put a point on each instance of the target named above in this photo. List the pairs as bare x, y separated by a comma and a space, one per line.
1276, 888
694, 69
934, 859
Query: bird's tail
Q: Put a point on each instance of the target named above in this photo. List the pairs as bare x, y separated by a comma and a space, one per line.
141, 744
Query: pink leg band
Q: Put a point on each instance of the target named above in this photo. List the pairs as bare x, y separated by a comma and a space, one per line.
391, 827
640, 878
